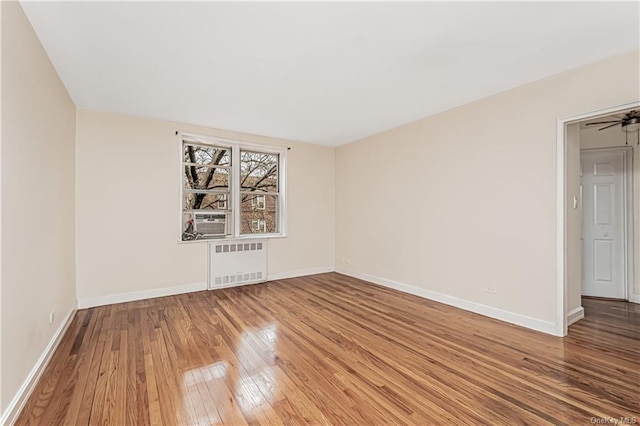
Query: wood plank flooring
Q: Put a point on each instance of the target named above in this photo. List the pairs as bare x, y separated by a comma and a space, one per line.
330, 349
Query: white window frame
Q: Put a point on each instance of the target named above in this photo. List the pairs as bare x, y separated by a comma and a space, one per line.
233, 203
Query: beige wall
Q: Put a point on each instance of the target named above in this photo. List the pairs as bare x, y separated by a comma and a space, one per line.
38, 132
592, 138
465, 199
574, 246
127, 169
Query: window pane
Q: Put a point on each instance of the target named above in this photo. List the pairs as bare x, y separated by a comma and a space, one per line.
209, 155
205, 201
258, 171
198, 226
206, 178
258, 214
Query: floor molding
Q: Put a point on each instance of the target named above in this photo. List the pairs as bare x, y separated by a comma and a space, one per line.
300, 273
575, 315
634, 298
489, 311
19, 400
91, 302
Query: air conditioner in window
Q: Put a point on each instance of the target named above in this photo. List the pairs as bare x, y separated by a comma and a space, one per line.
210, 224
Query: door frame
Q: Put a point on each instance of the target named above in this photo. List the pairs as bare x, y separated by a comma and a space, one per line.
627, 212
561, 207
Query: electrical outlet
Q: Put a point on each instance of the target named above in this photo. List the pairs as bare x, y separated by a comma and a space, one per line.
52, 316
491, 289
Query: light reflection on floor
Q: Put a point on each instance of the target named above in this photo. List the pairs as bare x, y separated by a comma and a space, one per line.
250, 396
248, 376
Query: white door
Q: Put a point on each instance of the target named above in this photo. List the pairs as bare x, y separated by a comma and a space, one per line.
603, 242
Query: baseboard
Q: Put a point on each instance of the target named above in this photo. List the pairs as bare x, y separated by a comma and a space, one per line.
90, 302
575, 315
300, 273
489, 311
20, 399
634, 298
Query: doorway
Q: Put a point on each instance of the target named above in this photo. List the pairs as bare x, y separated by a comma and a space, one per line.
569, 235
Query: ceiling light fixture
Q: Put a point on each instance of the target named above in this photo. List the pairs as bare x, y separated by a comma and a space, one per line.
631, 124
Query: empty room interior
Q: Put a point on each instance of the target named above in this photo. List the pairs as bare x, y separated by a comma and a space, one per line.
353, 213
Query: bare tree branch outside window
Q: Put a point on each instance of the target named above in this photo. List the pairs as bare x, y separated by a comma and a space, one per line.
259, 189
208, 177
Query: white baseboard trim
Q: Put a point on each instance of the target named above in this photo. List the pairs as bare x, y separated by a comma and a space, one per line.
575, 315
300, 273
489, 311
634, 298
16, 405
91, 302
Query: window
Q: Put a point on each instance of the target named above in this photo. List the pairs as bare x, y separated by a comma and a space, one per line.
222, 202
259, 225
257, 202
230, 189
259, 191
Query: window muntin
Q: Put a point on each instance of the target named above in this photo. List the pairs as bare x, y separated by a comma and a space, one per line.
230, 189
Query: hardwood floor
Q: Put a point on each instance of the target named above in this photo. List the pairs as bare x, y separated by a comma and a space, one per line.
329, 349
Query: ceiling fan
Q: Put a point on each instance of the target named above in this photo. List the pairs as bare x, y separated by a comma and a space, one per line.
629, 123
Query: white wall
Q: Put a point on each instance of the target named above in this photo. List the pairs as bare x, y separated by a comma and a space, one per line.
466, 199
127, 168
38, 259
590, 137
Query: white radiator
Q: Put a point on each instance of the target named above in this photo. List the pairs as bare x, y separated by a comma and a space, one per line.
233, 263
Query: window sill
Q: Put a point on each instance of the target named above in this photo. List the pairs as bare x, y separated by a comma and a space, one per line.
234, 238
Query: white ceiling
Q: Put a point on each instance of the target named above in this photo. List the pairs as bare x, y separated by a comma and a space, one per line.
326, 73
